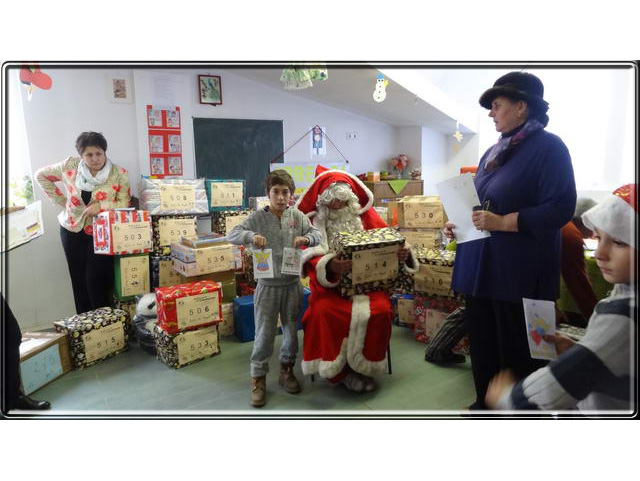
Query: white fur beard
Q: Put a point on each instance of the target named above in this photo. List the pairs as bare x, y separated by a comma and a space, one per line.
343, 220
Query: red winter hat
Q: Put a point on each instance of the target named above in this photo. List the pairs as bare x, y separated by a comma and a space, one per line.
325, 178
616, 214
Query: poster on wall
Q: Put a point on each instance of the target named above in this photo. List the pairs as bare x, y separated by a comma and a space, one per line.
304, 173
165, 141
318, 141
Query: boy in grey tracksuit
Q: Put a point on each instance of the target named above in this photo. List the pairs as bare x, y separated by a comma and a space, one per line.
275, 227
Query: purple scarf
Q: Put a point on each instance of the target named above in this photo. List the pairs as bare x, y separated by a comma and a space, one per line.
497, 155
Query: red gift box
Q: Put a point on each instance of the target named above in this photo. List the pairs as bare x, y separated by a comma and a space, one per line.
431, 313
189, 306
119, 232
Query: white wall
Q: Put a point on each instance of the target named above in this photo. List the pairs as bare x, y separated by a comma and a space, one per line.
39, 285
245, 99
409, 142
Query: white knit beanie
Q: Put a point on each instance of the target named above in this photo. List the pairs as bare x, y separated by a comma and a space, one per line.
616, 215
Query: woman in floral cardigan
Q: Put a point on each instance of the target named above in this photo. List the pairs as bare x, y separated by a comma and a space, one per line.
90, 184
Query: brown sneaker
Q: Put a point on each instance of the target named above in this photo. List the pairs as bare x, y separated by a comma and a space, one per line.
288, 379
258, 391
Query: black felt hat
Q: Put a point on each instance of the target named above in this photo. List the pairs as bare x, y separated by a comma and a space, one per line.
517, 86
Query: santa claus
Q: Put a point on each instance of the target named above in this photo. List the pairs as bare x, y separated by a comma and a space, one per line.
345, 339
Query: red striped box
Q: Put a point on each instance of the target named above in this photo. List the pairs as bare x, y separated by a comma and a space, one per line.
122, 231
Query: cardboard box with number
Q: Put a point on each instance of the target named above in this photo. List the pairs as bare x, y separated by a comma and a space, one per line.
44, 357
184, 348
173, 196
128, 306
431, 314
121, 232
189, 306
196, 262
170, 229
436, 269
131, 276
163, 274
225, 194
222, 222
374, 254
96, 335
257, 203
423, 238
226, 327
403, 310
421, 211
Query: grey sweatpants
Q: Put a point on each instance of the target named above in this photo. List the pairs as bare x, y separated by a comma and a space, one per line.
269, 301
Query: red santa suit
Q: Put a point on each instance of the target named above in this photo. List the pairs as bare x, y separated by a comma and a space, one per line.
337, 330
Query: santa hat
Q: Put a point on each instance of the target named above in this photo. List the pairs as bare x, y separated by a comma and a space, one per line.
324, 178
615, 215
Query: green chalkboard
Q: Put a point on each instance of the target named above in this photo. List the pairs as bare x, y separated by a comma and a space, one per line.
237, 149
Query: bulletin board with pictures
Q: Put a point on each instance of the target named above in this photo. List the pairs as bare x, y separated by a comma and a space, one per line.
165, 141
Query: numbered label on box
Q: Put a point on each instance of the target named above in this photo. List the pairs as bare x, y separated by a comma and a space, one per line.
167, 275
135, 275
428, 239
195, 345
214, 259
131, 236
375, 264
234, 220
406, 311
199, 309
417, 214
226, 194
177, 197
433, 279
172, 230
99, 343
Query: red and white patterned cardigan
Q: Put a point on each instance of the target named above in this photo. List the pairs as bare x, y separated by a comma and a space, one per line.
113, 194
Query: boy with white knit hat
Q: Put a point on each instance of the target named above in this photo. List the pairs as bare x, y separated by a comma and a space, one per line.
596, 373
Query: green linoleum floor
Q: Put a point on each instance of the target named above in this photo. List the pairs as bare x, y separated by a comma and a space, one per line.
135, 382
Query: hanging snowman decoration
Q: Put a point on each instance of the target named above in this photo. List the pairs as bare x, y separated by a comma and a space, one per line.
380, 93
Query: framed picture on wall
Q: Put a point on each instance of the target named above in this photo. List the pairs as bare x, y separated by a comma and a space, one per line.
210, 88
119, 89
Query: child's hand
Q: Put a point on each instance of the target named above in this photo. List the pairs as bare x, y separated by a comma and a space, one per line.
340, 266
561, 342
259, 241
300, 241
403, 254
502, 382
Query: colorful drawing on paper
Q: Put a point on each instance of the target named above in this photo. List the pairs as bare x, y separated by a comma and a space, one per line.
263, 261
540, 318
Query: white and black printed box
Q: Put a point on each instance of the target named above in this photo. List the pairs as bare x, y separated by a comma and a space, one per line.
96, 335
186, 347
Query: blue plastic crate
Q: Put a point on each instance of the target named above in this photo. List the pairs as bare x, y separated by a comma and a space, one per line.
244, 322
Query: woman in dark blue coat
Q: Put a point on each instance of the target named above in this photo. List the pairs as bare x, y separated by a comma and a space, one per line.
527, 190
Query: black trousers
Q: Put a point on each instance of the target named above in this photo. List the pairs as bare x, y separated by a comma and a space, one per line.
11, 337
498, 340
91, 274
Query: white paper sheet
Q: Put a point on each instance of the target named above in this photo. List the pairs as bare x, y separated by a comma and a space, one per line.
262, 263
291, 261
459, 196
540, 319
